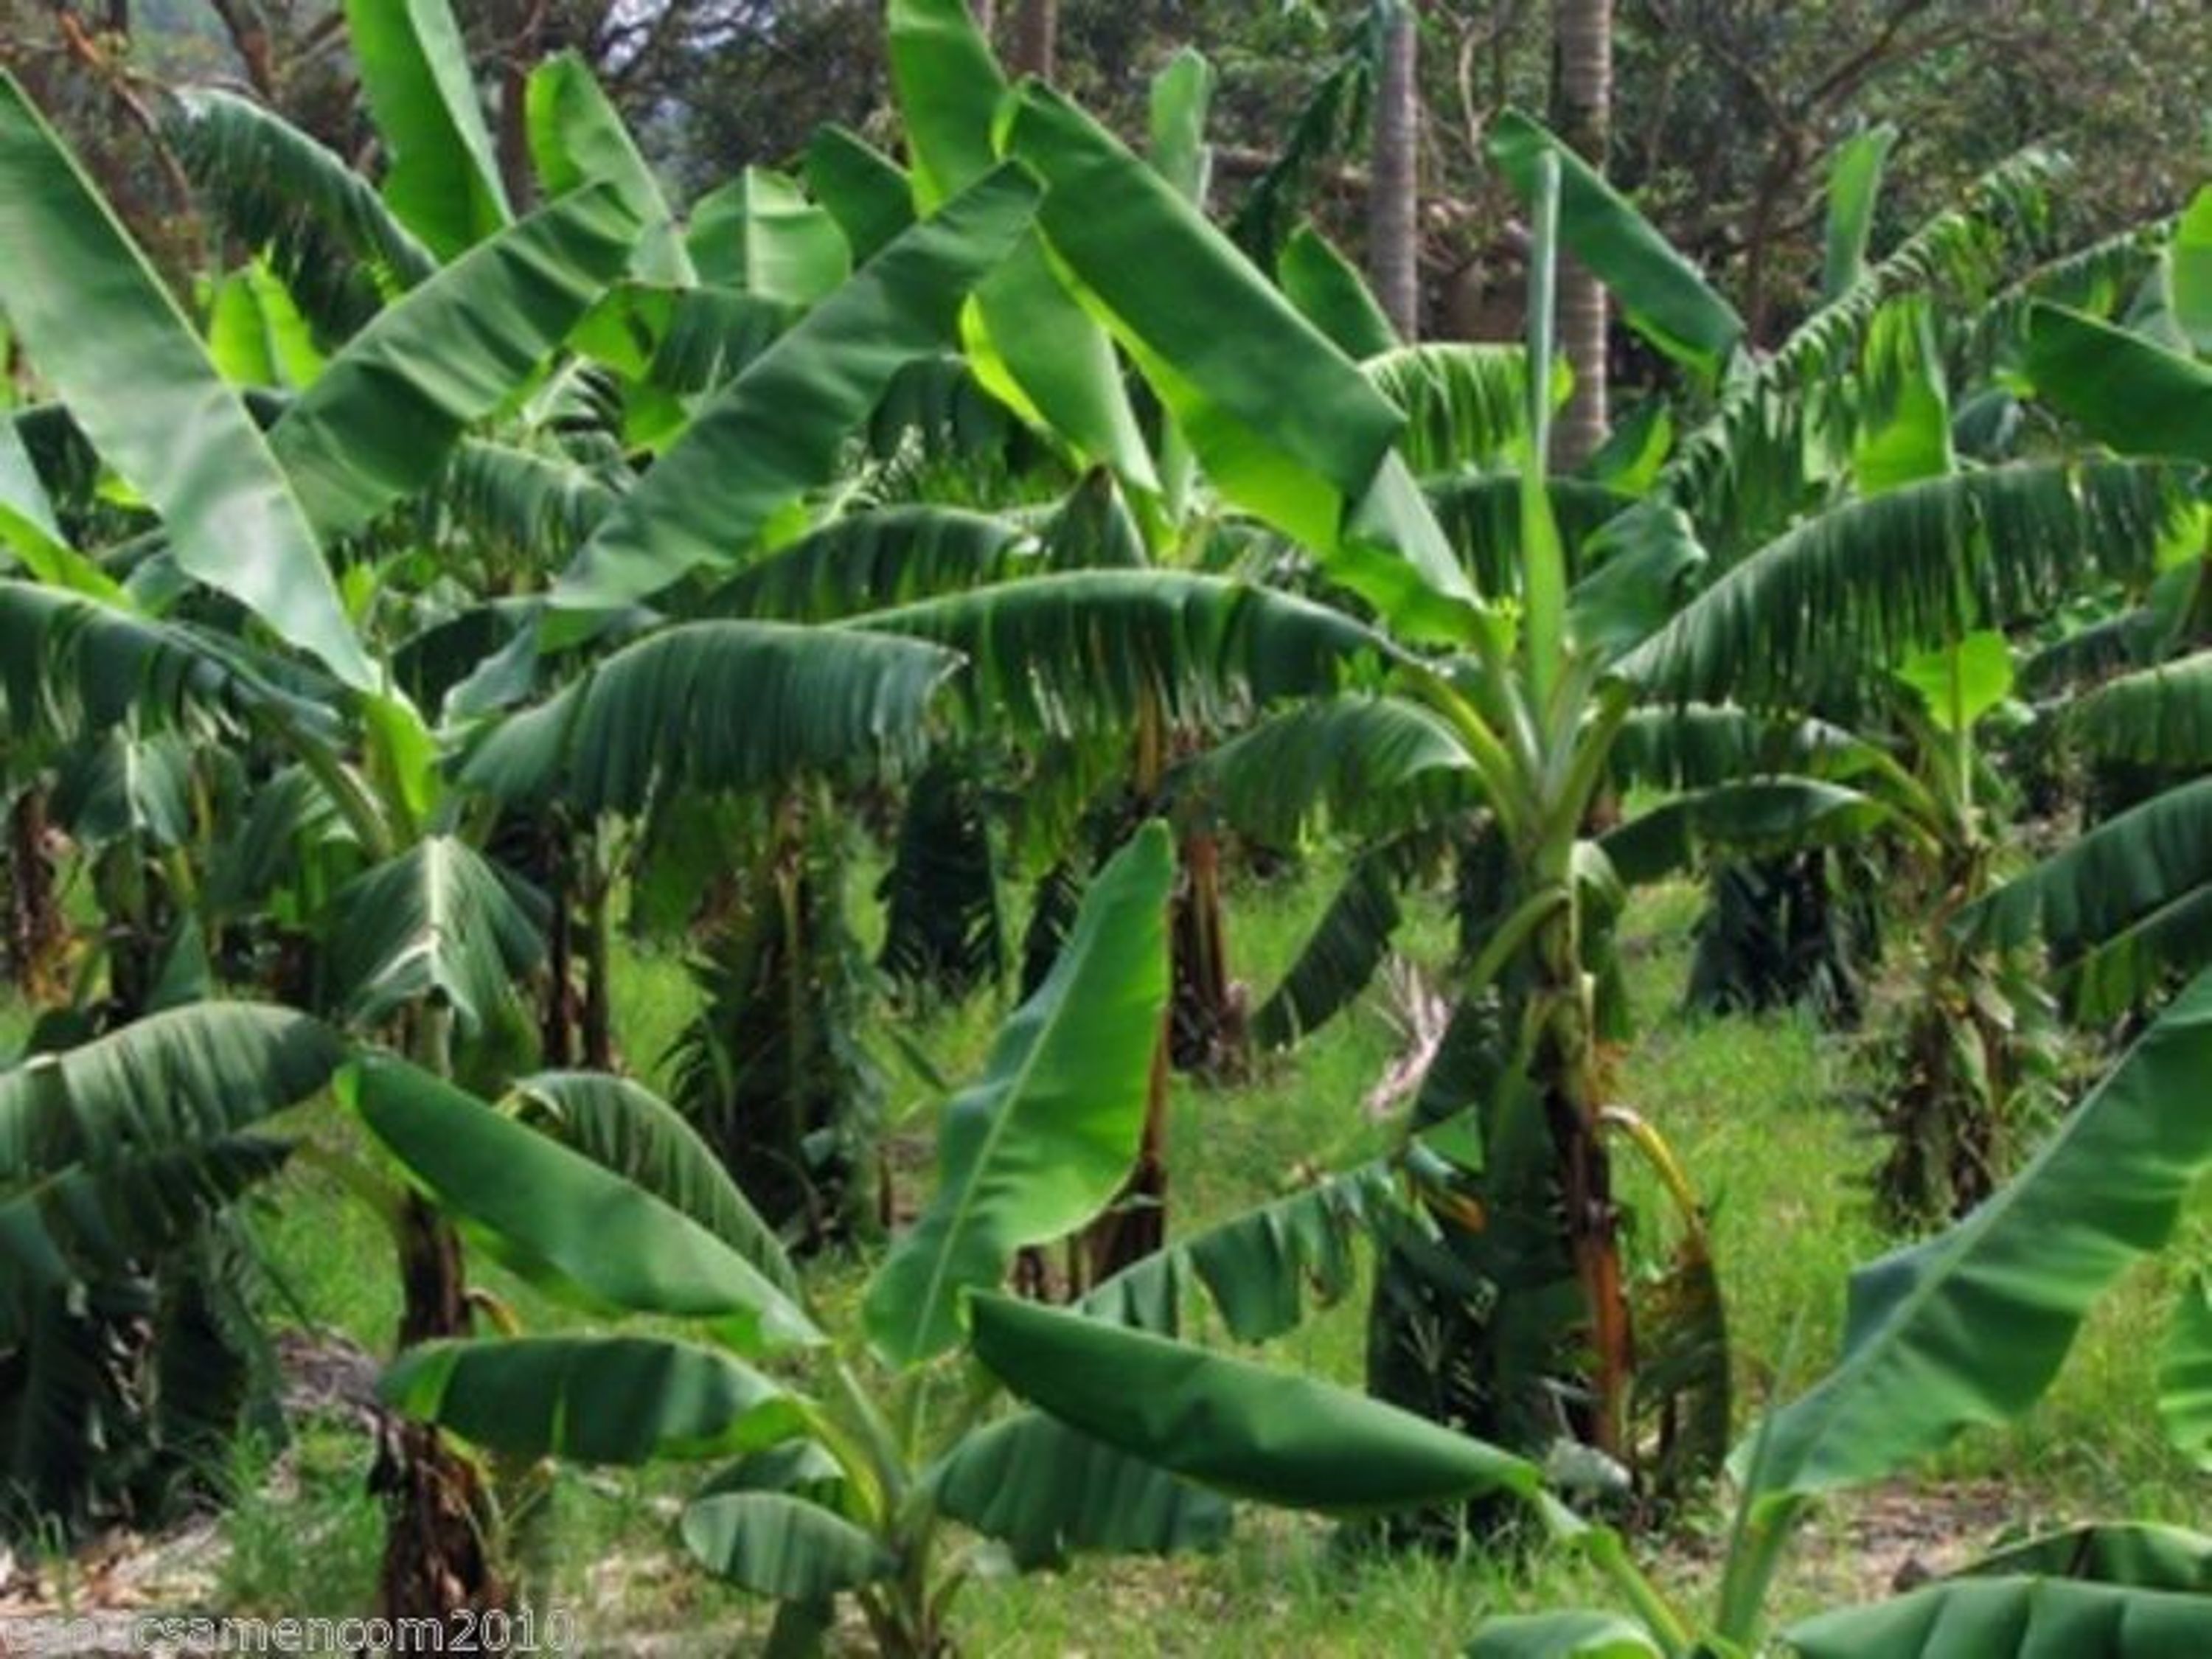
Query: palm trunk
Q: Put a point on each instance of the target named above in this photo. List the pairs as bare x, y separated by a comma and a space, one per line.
1036, 38
1393, 243
1582, 115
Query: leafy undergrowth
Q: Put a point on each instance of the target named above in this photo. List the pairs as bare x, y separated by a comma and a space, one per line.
1756, 1107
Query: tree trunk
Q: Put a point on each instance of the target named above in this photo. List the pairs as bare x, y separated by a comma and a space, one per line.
36, 929
1393, 243
1582, 106
1037, 38
985, 13
437, 1555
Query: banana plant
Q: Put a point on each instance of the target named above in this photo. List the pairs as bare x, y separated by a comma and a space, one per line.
2122, 909
1968, 1327
420, 934
127, 1354
842, 1459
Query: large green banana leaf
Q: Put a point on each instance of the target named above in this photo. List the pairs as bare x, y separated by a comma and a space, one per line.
1045, 1491
443, 178
2161, 717
1283, 422
161, 1082
577, 138
625, 1127
562, 1218
627, 1399
2139, 1555
1854, 186
384, 415
1084, 650
865, 191
1758, 816
100, 326
2120, 905
1276, 1436
873, 560
1030, 340
1970, 1326
2011, 1619
1260, 1269
778, 428
1355, 762
2138, 398
1042, 1141
716, 705
1661, 295
759, 235
436, 920
1327, 289
1857, 588
776, 1545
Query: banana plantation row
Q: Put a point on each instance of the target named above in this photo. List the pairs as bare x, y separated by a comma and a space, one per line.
448, 588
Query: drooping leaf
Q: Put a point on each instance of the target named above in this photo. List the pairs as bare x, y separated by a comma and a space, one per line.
443, 178
1970, 1326
873, 561
2138, 397
1046, 1491
1261, 1270
1699, 746
1860, 586
565, 1220
1661, 293
1086, 650
323, 229
1995, 1618
779, 1545
383, 417
623, 1400
626, 1128
1466, 404
1338, 959
436, 922
1279, 1437
1355, 762
1754, 818
2161, 717
96, 319
777, 428
161, 1083
2121, 906
577, 138
714, 706
1044, 1139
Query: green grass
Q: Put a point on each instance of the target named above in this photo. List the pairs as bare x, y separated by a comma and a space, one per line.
1756, 1109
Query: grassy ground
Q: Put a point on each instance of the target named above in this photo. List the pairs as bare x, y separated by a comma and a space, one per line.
1755, 1107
